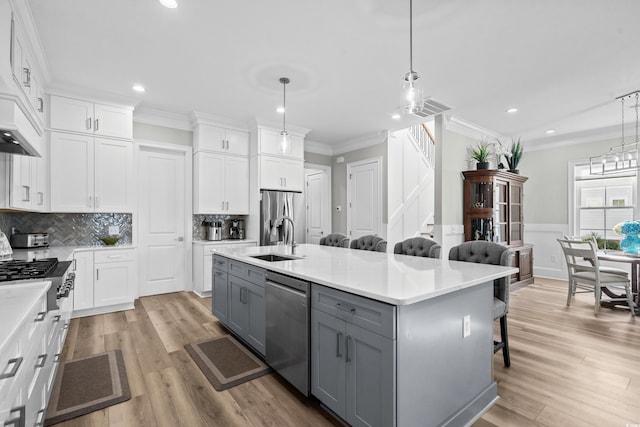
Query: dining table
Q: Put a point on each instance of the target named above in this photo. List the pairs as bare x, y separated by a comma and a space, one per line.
626, 258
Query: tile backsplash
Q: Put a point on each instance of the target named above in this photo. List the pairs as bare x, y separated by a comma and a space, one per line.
69, 229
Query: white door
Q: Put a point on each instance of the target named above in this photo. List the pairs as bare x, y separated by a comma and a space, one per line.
318, 200
364, 198
161, 195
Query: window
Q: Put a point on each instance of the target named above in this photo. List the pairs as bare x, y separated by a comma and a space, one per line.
602, 201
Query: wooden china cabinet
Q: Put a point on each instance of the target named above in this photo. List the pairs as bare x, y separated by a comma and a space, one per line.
493, 205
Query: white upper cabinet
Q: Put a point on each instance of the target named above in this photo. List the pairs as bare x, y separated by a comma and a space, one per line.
270, 144
101, 179
23, 182
220, 140
221, 184
77, 115
281, 174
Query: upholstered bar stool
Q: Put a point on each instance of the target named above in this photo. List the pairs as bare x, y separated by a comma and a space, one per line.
418, 246
369, 243
483, 252
335, 239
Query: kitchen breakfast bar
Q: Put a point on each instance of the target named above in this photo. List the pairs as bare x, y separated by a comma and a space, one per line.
386, 336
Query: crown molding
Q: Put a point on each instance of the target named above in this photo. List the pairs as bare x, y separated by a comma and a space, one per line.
577, 138
200, 118
260, 122
363, 141
162, 118
469, 129
92, 95
318, 148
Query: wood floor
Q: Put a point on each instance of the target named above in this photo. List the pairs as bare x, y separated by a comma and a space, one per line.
569, 368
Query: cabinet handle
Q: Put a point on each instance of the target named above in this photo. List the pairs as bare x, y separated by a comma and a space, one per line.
114, 256
96, 201
26, 193
40, 317
41, 198
40, 418
285, 182
97, 274
16, 365
219, 273
338, 341
75, 264
42, 358
347, 358
19, 420
27, 77
56, 358
227, 205
56, 318
97, 124
40, 105
89, 120
345, 307
89, 202
222, 205
222, 144
227, 144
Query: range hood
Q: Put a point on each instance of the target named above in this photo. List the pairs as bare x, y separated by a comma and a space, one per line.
18, 135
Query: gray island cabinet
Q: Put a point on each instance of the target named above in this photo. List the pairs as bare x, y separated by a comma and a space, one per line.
387, 344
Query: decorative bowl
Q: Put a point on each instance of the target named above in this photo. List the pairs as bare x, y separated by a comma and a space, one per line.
110, 240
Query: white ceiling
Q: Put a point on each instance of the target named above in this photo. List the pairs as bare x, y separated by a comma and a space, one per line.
561, 62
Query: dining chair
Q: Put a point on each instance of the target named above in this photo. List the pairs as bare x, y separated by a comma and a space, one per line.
485, 252
335, 239
418, 246
603, 268
591, 278
369, 243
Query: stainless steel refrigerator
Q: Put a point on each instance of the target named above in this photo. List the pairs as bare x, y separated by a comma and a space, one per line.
273, 205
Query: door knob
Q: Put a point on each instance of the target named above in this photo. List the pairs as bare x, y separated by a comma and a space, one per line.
180, 239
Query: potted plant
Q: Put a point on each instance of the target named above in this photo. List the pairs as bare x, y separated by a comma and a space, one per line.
481, 152
514, 155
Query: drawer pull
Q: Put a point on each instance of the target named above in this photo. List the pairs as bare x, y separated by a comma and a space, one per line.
57, 318
40, 317
345, 307
43, 359
114, 256
19, 419
338, 341
56, 358
16, 365
219, 273
40, 418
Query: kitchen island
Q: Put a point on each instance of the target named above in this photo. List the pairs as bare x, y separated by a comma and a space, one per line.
387, 344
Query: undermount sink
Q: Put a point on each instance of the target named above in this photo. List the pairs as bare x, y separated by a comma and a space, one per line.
274, 257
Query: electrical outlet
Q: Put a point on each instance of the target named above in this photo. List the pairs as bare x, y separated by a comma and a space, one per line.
114, 230
466, 326
338, 208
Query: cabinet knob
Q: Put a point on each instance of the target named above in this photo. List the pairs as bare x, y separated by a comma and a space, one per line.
180, 239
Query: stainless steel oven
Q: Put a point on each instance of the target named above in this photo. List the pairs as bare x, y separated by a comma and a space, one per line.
287, 344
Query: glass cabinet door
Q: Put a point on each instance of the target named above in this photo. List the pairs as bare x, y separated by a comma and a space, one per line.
501, 212
515, 212
481, 195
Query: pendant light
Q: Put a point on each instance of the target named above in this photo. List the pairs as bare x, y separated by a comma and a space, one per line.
284, 135
624, 157
413, 94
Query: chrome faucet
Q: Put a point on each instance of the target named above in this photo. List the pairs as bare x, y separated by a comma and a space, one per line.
293, 231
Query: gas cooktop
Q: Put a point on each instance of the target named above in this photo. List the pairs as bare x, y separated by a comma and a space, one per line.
20, 270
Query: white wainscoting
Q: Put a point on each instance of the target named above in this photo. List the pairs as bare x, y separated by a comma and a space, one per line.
548, 260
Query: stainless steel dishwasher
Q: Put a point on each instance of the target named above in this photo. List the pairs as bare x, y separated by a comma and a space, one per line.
287, 328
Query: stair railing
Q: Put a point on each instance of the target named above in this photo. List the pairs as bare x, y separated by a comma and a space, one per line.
425, 141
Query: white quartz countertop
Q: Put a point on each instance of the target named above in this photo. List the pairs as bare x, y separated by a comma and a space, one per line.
386, 277
223, 242
63, 253
16, 301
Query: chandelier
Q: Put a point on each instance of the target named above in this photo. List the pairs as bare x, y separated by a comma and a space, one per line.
624, 157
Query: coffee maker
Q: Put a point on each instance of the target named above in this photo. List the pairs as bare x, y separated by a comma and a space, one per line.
236, 230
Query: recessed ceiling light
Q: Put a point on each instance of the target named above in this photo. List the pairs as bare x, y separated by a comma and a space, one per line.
550, 131
512, 110
395, 116
138, 88
7, 134
171, 4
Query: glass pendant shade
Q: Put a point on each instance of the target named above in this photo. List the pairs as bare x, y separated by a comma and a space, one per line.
414, 97
284, 142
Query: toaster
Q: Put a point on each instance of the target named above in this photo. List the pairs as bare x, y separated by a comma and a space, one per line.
29, 240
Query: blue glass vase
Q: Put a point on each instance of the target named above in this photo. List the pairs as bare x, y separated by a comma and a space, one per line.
630, 243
